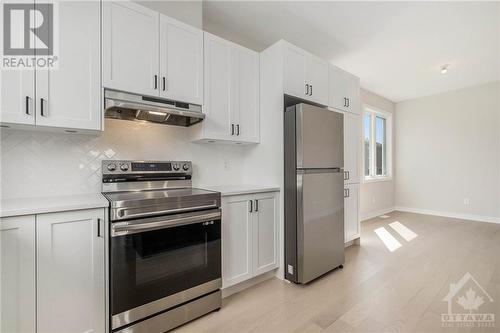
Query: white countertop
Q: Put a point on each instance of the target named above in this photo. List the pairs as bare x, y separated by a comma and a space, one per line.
29, 206
227, 190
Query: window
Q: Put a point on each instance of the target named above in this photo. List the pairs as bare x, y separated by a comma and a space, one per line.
377, 144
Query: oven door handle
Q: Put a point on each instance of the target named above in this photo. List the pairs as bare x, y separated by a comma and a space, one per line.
127, 228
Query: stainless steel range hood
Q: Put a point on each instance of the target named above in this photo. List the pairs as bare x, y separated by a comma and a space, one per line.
127, 106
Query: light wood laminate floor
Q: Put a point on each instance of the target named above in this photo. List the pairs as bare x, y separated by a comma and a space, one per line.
378, 290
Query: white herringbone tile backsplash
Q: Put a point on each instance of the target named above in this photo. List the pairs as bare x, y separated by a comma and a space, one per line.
38, 163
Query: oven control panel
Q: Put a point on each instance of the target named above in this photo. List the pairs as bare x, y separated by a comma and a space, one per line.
116, 167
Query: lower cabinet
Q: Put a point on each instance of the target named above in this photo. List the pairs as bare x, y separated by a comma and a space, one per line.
17, 274
70, 280
249, 236
352, 227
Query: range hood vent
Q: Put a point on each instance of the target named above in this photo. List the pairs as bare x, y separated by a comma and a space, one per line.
127, 106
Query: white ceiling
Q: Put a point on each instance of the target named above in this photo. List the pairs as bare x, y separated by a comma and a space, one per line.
396, 48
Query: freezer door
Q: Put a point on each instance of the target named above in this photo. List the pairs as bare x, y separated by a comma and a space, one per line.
320, 222
319, 137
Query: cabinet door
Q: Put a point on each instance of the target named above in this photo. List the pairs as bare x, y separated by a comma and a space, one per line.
265, 233
181, 61
295, 72
352, 147
17, 274
17, 97
343, 91
247, 95
351, 217
70, 272
236, 240
352, 93
130, 47
17, 90
317, 77
337, 89
69, 96
219, 82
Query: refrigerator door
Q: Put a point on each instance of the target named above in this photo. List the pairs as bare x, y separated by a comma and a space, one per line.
319, 137
320, 222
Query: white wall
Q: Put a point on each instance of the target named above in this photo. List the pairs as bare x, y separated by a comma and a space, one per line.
377, 198
35, 163
448, 151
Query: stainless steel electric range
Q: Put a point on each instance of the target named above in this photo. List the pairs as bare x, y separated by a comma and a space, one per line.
165, 245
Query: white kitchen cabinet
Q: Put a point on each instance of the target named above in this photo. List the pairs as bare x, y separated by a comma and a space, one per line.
344, 91
17, 97
145, 52
352, 147
249, 237
71, 271
294, 63
305, 75
17, 274
265, 232
231, 93
181, 61
237, 242
42, 97
317, 77
246, 97
130, 47
352, 227
69, 96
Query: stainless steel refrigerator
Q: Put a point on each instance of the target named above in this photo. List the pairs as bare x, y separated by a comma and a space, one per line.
314, 192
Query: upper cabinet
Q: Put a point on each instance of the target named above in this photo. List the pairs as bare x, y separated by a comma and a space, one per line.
305, 75
148, 53
231, 93
344, 91
130, 47
69, 94
181, 61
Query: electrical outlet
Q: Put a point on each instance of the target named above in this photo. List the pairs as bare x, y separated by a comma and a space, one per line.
466, 201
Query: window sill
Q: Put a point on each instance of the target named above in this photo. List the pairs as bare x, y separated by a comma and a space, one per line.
377, 179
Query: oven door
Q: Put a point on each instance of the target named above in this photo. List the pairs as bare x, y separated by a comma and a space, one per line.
158, 263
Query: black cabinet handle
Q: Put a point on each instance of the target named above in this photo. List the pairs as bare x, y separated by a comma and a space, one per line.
348, 102
251, 206
238, 129
42, 111
156, 82
311, 92
164, 84
256, 205
232, 129
307, 89
98, 227
28, 106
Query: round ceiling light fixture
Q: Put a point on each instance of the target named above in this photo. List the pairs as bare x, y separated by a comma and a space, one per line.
444, 69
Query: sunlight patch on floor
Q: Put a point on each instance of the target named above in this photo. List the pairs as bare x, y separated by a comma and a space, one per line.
389, 241
403, 231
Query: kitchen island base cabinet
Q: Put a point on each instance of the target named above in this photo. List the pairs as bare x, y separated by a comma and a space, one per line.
17, 274
71, 272
249, 236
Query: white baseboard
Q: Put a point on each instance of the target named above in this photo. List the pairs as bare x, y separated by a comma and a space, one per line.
478, 218
371, 215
